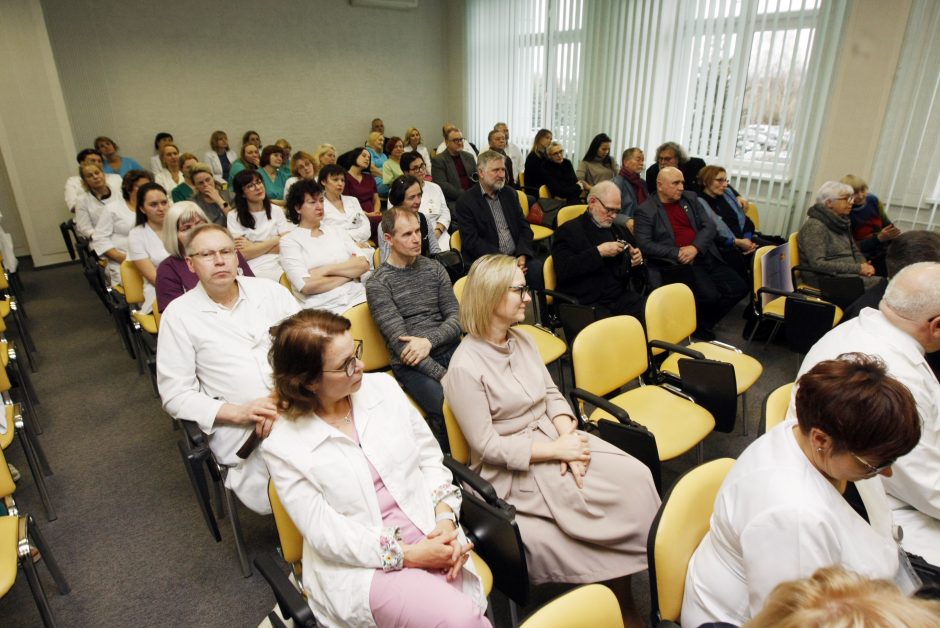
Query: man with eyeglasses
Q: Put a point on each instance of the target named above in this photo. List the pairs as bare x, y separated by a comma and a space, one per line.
673, 155
413, 304
212, 357
904, 326
454, 169
433, 203
678, 238
597, 260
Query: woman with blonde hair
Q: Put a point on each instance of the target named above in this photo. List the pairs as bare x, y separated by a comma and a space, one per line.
535, 162
583, 506
325, 155
220, 158
413, 143
303, 165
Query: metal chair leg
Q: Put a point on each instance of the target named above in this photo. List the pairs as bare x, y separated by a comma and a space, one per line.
27, 426
21, 326
39, 595
34, 467
232, 506
21, 375
47, 557
744, 411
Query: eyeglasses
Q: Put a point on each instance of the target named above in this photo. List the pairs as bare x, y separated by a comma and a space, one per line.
349, 366
523, 291
873, 471
556, 153
610, 210
254, 184
455, 139
210, 255
420, 168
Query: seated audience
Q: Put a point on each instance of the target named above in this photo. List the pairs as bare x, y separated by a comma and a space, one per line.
497, 144
260, 224
632, 185
358, 471
273, 176
736, 238
220, 158
341, 210
376, 148
207, 194
114, 223
512, 151
453, 169
672, 155
252, 137
325, 155
286, 150
413, 303
491, 220
584, 507
322, 263
75, 188
672, 226
433, 202
467, 145
406, 193
825, 239
391, 170
359, 183
833, 596
413, 144
872, 229
560, 176
904, 327
806, 494
301, 167
185, 190
378, 126
99, 193
249, 159
156, 162
535, 162
212, 358
171, 174
174, 277
596, 260
144, 244
597, 164
114, 162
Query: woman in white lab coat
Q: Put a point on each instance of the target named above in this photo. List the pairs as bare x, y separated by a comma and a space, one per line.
257, 226
361, 476
806, 494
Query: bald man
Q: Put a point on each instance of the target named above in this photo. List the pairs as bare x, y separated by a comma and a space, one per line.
904, 327
671, 227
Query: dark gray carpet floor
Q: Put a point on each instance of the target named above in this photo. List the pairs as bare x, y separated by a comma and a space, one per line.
129, 536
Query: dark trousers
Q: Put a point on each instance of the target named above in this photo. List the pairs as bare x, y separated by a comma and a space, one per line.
717, 288
629, 304
428, 393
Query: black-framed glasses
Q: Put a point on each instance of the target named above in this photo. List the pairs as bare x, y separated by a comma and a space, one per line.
420, 168
349, 366
613, 211
873, 471
522, 290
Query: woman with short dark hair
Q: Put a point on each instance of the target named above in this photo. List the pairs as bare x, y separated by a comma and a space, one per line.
806, 494
273, 175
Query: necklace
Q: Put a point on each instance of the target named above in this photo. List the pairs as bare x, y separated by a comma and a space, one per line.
347, 419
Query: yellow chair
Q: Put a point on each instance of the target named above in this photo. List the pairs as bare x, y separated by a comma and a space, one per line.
610, 353
753, 213
775, 407
569, 212
375, 354
679, 526
455, 242
538, 231
459, 448
133, 283
20, 544
376, 258
670, 317
522, 180
19, 424
544, 193
794, 247
588, 606
10, 305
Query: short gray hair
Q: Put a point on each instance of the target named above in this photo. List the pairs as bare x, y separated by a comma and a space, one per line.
913, 294
602, 188
831, 190
487, 156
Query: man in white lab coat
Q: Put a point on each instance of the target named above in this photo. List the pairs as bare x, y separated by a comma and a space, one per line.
900, 331
212, 357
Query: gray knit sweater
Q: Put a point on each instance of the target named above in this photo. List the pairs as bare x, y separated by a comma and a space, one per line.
825, 242
415, 301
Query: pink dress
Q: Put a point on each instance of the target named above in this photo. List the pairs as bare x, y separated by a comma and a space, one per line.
413, 597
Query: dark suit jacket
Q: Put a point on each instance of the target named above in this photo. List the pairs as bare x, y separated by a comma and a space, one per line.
654, 232
444, 173
689, 171
478, 229
582, 272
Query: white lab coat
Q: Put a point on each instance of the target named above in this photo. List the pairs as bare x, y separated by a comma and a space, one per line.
144, 243
88, 210
74, 189
323, 480
207, 356
435, 209
266, 265
113, 226
352, 218
211, 159
914, 487
300, 252
777, 518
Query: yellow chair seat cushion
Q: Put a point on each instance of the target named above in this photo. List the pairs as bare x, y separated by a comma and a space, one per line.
540, 233
550, 346
7, 437
746, 368
4, 354
483, 570
775, 308
147, 322
678, 424
9, 536
5, 307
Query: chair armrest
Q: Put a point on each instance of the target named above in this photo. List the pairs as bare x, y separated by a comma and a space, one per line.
561, 296
813, 269
292, 604
195, 435
668, 346
579, 394
465, 475
779, 293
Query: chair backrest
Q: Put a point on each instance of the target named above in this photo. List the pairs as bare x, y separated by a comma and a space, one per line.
544, 193
376, 258
753, 213
588, 606
609, 353
133, 283
758, 268
292, 542
156, 314
284, 281
455, 242
522, 179
374, 352
458, 288
678, 528
523, 202
7, 485
459, 448
775, 406
670, 314
569, 212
